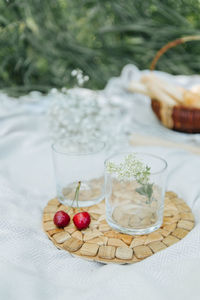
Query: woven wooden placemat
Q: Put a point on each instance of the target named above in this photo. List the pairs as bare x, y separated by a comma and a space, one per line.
101, 243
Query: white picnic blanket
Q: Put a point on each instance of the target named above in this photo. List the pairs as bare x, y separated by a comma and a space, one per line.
30, 265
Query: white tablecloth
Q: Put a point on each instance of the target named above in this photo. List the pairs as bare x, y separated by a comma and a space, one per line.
30, 265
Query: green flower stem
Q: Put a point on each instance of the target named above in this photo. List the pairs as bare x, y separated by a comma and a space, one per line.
146, 190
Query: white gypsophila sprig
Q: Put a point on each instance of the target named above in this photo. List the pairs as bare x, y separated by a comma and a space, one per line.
80, 77
130, 168
83, 113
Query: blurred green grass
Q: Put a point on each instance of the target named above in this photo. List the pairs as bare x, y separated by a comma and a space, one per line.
41, 42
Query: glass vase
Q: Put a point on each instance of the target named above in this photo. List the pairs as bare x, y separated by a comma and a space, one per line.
77, 161
132, 206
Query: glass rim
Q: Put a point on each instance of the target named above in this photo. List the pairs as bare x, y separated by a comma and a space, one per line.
141, 153
53, 147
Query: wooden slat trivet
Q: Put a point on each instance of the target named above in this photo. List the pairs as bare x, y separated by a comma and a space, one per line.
101, 243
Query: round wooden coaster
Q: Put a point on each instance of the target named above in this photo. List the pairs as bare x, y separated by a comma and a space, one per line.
101, 243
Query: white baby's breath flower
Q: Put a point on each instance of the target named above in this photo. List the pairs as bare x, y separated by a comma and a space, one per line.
129, 169
133, 169
74, 73
86, 78
80, 77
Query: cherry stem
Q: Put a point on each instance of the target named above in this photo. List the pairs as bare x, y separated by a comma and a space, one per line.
77, 193
76, 196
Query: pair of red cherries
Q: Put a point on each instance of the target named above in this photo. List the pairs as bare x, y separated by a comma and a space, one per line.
81, 220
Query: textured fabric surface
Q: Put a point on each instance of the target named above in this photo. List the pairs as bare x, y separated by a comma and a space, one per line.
31, 267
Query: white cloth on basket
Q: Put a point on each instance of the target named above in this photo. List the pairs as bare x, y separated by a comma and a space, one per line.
30, 265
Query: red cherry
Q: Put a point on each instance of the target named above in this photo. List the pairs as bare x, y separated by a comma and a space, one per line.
61, 218
81, 220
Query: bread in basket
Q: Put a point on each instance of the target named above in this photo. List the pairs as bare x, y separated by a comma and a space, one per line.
176, 107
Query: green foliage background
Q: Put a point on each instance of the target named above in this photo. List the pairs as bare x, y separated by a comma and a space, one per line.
42, 41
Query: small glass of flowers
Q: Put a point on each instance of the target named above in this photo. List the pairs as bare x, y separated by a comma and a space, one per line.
134, 192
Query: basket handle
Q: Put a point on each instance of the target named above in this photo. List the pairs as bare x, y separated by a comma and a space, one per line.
172, 44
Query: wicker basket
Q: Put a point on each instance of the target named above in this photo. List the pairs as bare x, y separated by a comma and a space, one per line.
180, 118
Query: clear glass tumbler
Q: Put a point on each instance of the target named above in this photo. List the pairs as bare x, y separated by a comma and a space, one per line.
134, 192
76, 160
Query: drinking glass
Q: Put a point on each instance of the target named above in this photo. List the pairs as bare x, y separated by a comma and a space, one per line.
77, 161
135, 206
